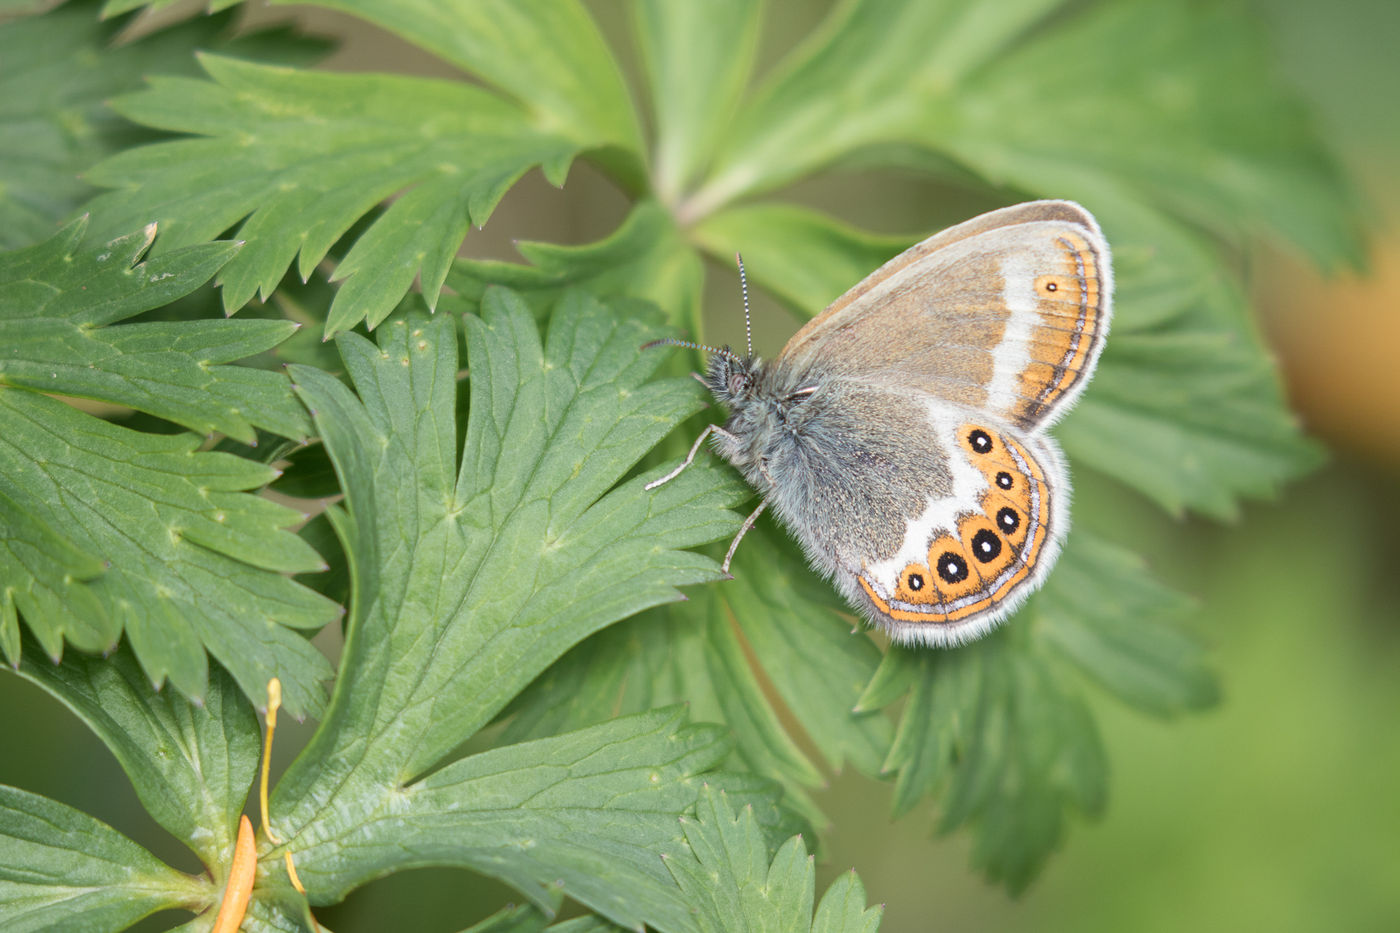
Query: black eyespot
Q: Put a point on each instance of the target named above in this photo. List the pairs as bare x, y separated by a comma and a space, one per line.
986, 546
980, 440
916, 582
1007, 519
952, 568
1004, 480
1051, 286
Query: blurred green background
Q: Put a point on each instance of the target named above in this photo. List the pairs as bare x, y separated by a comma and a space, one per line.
1279, 810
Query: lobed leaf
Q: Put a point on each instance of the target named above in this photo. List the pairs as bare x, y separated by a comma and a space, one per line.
735, 889
191, 765
1124, 629
546, 54
110, 530
646, 257
1186, 405
470, 578
873, 72
62, 869
999, 732
769, 648
1137, 102
303, 155
193, 563
589, 814
59, 302
59, 70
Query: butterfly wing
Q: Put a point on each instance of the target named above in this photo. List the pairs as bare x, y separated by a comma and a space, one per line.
978, 549
1004, 314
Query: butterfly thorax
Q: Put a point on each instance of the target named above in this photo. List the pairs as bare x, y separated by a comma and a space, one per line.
766, 413
812, 444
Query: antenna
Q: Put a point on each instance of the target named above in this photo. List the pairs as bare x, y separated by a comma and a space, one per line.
678, 342
748, 320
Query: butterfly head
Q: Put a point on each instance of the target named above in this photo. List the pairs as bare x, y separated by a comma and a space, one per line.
732, 378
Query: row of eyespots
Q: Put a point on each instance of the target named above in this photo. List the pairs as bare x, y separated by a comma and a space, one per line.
993, 462
948, 556
986, 545
1007, 532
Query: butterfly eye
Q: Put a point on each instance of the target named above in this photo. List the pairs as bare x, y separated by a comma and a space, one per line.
738, 383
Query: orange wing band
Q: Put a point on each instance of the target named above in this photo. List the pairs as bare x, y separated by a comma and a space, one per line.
994, 550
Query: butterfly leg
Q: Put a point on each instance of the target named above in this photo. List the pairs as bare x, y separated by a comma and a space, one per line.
748, 523
694, 449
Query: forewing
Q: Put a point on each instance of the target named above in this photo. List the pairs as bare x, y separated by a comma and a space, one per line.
1005, 313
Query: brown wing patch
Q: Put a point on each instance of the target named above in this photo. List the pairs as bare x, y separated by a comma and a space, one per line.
1004, 313
995, 547
1069, 324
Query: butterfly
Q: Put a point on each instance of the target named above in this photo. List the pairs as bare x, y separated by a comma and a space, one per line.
901, 434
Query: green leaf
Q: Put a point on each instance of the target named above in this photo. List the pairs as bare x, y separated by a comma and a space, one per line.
1138, 99
776, 620
58, 71
698, 57
277, 908
188, 562
470, 579
62, 869
689, 653
735, 889
1124, 629
546, 54
997, 727
842, 908
47, 576
870, 74
553, 426
59, 302
115, 7
588, 814
529, 919
805, 258
451, 150
645, 257
809, 648
191, 765
1186, 404
525, 918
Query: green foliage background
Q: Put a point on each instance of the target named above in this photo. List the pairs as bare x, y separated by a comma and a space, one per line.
1171, 123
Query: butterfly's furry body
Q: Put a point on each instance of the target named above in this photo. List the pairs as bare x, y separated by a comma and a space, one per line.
842, 485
